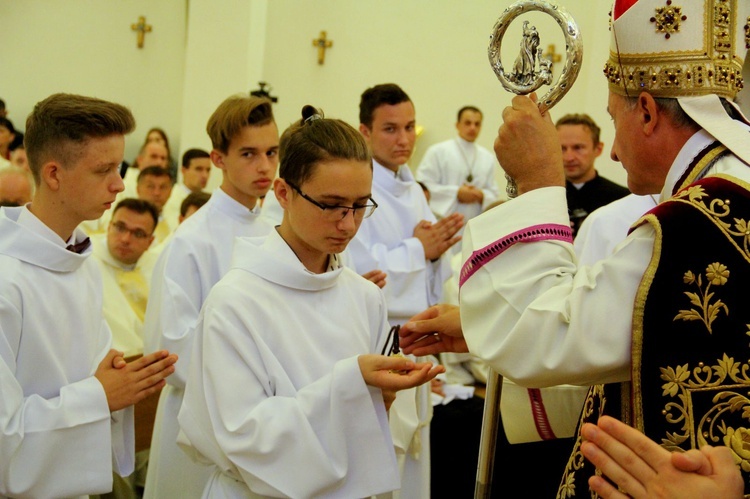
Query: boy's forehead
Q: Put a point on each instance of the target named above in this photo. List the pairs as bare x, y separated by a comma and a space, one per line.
394, 113
255, 136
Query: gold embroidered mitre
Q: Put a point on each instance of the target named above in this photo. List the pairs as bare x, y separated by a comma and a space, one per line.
678, 48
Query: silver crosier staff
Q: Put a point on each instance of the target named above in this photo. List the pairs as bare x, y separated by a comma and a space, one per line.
530, 72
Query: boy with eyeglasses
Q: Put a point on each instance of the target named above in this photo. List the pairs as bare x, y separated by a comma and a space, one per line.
302, 335
245, 144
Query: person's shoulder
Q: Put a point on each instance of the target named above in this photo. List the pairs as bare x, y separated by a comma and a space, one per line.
614, 186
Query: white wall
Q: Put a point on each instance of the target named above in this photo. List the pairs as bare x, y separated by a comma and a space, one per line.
435, 49
87, 47
202, 51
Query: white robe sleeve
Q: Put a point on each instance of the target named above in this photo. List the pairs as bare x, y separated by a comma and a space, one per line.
443, 191
173, 306
58, 446
537, 317
331, 435
412, 284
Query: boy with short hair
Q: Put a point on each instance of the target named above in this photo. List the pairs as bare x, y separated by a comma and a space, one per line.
62, 428
245, 147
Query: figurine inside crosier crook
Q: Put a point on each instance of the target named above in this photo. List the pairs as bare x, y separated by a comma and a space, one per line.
530, 72
530, 69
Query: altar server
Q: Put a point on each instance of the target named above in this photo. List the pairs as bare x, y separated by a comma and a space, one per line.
63, 430
245, 144
300, 334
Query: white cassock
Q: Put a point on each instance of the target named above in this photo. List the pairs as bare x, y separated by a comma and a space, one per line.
607, 226
171, 210
275, 396
125, 296
385, 241
538, 317
195, 259
57, 435
448, 165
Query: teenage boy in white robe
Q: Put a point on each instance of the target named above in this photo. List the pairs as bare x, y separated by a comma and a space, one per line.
245, 144
300, 333
404, 240
63, 430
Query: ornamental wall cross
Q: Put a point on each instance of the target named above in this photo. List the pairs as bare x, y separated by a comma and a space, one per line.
322, 43
551, 55
142, 28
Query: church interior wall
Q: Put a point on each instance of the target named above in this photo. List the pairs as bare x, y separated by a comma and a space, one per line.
201, 51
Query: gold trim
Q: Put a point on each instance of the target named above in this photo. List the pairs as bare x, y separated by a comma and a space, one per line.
667, 19
710, 156
640, 304
716, 69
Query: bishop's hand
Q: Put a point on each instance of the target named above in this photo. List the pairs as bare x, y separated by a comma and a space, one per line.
433, 331
527, 146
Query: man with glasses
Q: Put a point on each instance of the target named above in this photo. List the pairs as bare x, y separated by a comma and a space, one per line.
126, 271
403, 239
126, 266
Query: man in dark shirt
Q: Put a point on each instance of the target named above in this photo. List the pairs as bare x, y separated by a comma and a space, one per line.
585, 189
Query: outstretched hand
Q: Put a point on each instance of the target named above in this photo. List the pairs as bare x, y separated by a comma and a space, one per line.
129, 384
433, 331
642, 468
396, 373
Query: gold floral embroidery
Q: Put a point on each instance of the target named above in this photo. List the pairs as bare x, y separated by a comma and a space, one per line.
726, 383
717, 274
668, 19
595, 401
719, 210
747, 34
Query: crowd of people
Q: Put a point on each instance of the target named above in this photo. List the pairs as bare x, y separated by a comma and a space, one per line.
301, 323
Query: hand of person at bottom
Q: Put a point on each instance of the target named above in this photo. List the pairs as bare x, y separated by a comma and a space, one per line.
643, 469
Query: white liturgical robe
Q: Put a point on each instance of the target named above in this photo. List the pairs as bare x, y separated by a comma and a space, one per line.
448, 165
57, 435
195, 259
303, 423
538, 317
386, 241
125, 296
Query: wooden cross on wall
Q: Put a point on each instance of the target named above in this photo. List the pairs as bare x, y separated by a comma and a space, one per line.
322, 43
552, 55
142, 28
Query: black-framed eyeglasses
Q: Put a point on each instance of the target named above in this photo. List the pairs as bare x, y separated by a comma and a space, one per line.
334, 213
121, 228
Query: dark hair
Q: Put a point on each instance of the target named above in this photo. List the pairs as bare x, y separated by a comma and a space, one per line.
192, 154
234, 114
6, 123
469, 108
17, 142
379, 95
196, 199
60, 125
581, 119
153, 171
163, 136
315, 139
139, 206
